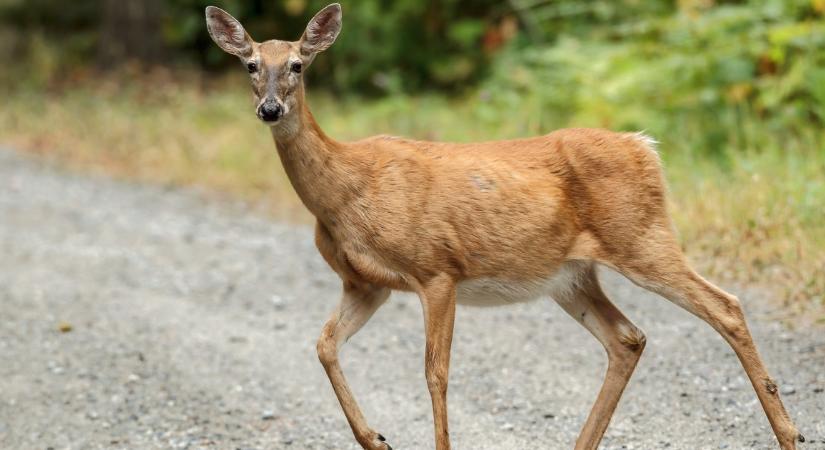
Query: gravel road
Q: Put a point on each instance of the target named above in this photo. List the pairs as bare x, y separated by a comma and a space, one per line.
193, 325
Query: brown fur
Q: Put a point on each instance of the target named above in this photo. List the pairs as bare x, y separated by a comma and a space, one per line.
399, 214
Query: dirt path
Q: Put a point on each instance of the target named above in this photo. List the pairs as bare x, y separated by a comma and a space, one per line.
194, 326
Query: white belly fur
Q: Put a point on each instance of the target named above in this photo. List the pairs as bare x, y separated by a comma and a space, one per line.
495, 292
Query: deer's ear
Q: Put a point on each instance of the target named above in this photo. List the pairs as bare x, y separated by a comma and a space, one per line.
321, 30
228, 33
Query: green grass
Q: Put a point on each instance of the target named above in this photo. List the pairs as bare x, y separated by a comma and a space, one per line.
751, 214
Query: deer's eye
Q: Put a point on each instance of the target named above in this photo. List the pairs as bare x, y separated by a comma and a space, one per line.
296, 67
251, 67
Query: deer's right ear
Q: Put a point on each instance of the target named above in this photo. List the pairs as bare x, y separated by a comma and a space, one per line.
228, 33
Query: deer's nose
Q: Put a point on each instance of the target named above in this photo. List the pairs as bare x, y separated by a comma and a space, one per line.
270, 111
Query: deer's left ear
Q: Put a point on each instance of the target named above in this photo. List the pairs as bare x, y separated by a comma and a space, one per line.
321, 30
228, 33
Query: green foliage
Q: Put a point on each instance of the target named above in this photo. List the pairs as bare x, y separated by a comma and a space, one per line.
734, 77
385, 46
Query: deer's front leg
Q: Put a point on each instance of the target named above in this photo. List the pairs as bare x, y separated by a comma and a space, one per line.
357, 306
438, 302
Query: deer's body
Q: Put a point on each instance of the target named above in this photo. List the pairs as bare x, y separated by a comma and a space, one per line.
483, 224
488, 214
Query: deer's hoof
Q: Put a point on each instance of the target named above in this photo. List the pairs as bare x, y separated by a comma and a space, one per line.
384, 440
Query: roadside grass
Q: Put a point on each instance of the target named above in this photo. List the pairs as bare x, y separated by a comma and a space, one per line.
754, 215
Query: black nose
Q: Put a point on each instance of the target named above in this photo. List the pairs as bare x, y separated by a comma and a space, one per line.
271, 111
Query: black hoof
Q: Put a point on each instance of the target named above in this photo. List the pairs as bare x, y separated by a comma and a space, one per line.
384, 440
800, 438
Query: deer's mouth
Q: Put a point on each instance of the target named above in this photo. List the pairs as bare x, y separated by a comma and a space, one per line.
268, 122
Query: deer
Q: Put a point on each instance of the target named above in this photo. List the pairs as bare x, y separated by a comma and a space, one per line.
486, 223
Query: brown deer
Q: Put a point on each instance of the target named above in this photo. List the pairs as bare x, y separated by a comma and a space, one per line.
482, 223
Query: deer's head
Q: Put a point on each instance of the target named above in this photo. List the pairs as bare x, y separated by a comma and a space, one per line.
275, 67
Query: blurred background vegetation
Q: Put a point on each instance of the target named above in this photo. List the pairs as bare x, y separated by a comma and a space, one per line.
734, 90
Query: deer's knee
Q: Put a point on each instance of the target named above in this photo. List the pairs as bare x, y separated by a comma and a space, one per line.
436, 378
729, 318
436, 383
327, 349
631, 338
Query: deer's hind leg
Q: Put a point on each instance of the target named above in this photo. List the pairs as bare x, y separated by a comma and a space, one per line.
623, 341
658, 264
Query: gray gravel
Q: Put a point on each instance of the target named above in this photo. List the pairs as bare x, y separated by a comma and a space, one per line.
193, 325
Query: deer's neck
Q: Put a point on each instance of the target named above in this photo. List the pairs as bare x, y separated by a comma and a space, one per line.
319, 168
